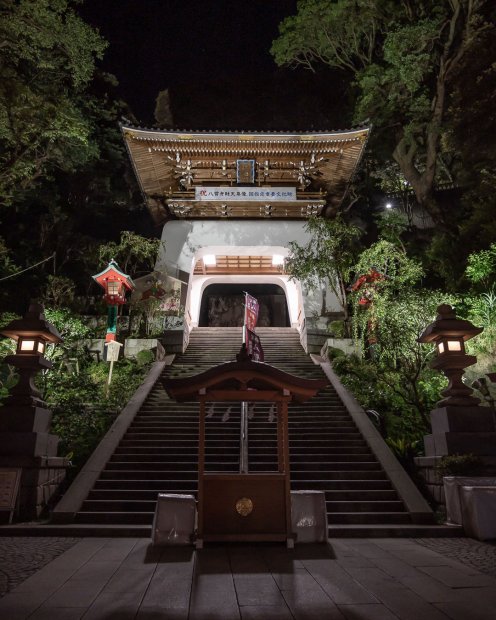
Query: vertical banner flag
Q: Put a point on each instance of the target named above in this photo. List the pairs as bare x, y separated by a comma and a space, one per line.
253, 346
251, 312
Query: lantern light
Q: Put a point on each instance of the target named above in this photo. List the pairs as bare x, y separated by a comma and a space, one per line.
209, 260
32, 332
113, 287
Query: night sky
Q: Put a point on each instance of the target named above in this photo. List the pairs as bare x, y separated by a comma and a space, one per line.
213, 56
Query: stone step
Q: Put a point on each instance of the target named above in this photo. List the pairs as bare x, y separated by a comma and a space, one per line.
368, 517
159, 451
341, 506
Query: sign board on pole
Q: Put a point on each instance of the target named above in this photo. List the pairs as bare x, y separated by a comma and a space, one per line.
251, 312
111, 351
253, 346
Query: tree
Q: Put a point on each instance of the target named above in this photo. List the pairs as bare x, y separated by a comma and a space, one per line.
163, 113
481, 267
404, 56
328, 256
48, 60
133, 253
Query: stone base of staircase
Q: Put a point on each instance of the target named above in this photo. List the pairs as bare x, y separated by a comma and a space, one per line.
143, 531
395, 531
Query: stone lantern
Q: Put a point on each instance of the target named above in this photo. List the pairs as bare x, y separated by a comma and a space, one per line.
449, 334
459, 424
26, 445
32, 333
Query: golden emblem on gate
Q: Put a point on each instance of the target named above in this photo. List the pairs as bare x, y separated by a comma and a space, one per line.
244, 506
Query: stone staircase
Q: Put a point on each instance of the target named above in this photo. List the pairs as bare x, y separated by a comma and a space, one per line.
158, 453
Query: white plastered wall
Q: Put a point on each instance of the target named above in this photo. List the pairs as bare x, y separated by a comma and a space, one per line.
187, 240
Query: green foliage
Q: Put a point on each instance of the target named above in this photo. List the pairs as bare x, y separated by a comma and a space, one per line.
403, 409
7, 267
397, 380
404, 57
70, 326
391, 226
132, 253
481, 266
334, 353
48, 60
337, 329
481, 310
146, 318
82, 409
145, 357
8, 376
460, 465
339, 33
404, 449
329, 255
59, 291
392, 262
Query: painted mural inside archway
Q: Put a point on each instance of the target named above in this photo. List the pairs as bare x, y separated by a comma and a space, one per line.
222, 305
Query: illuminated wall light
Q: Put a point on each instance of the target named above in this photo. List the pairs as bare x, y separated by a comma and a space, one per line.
209, 260
389, 205
277, 260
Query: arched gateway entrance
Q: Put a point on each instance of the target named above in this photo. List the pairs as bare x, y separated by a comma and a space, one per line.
222, 305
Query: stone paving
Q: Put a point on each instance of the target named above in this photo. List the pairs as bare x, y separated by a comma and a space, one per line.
478, 555
350, 579
21, 557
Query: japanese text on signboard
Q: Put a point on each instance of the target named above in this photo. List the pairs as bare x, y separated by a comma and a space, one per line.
245, 193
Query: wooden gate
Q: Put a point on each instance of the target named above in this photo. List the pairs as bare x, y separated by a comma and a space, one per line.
244, 506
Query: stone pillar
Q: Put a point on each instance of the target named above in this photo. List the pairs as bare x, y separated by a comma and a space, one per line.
25, 442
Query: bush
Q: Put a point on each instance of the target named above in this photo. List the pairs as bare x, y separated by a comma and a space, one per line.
82, 409
460, 465
145, 357
337, 329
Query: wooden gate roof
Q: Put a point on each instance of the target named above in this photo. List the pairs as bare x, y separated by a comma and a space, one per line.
240, 378
170, 164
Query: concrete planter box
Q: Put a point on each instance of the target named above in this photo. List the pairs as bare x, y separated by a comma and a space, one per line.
132, 346
347, 345
479, 511
452, 492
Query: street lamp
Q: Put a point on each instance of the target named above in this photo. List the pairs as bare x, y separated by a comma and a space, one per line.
32, 333
449, 334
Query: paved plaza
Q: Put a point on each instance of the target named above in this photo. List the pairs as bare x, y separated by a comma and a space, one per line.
350, 579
